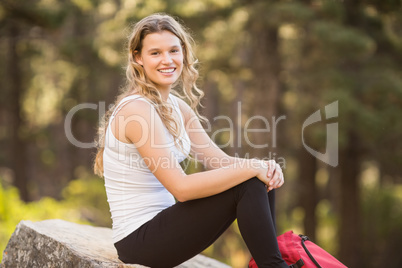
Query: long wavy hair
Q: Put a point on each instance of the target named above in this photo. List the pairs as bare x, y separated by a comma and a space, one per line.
138, 83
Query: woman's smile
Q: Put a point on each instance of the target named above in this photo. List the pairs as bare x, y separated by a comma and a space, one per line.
167, 71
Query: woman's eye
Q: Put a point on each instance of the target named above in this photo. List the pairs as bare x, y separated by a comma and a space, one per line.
154, 53
175, 51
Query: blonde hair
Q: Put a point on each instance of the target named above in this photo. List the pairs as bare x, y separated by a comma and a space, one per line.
138, 83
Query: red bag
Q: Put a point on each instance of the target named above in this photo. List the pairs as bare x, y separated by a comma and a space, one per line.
298, 251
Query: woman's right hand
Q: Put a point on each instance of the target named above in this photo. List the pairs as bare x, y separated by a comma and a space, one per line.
269, 172
262, 168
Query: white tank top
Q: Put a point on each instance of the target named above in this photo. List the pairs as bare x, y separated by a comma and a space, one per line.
134, 194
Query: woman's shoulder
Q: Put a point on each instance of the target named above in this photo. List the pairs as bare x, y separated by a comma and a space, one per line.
132, 105
131, 98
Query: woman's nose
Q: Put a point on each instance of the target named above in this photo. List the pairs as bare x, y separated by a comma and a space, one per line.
167, 59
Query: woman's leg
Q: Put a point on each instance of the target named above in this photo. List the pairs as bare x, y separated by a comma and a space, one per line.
271, 200
256, 220
185, 229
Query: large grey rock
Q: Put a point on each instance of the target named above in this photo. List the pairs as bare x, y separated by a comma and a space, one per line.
57, 243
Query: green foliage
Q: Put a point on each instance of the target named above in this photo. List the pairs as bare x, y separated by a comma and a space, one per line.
342, 42
290, 12
85, 202
382, 221
332, 11
327, 226
88, 196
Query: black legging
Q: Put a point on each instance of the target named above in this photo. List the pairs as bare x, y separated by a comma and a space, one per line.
185, 229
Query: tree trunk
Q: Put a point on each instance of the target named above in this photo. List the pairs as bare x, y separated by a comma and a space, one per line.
17, 144
265, 64
350, 204
350, 222
308, 191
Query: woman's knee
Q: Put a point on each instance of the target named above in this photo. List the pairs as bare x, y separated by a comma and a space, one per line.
254, 185
255, 182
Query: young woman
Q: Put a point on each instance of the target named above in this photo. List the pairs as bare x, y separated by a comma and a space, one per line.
143, 139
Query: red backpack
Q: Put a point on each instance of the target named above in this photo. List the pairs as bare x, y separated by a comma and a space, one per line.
298, 251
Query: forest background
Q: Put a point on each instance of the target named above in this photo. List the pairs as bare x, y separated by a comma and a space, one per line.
280, 60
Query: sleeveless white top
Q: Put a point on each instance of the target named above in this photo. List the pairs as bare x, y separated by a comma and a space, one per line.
134, 194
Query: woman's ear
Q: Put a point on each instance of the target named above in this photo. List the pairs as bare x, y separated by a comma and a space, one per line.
137, 57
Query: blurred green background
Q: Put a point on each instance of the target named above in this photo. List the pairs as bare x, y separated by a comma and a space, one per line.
275, 59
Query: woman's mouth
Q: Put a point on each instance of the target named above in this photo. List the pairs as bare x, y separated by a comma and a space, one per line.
167, 70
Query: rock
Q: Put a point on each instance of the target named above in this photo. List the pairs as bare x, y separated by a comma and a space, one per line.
62, 244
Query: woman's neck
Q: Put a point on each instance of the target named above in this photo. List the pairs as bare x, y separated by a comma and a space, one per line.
164, 93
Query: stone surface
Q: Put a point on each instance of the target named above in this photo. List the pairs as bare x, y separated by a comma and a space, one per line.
57, 243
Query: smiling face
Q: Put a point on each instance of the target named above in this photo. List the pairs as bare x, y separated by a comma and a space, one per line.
162, 58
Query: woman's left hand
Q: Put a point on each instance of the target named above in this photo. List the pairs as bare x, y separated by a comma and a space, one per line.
275, 175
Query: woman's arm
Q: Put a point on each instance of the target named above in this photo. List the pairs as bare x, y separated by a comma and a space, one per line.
144, 128
206, 151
